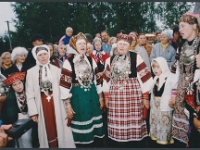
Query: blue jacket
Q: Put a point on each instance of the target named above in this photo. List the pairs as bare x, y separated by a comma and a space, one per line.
66, 39
169, 53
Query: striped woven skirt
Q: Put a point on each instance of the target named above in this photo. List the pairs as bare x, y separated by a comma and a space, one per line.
87, 121
125, 122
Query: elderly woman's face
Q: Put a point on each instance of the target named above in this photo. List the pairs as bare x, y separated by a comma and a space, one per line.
198, 60
164, 39
43, 58
6, 60
186, 31
122, 47
81, 46
97, 45
20, 58
62, 50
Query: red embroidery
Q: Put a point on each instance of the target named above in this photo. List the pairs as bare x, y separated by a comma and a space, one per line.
66, 78
144, 73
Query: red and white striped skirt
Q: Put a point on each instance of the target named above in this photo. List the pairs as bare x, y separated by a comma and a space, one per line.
125, 122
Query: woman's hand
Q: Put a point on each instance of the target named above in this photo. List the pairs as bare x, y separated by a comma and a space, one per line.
101, 103
106, 103
197, 108
3, 136
146, 103
172, 102
2, 98
100, 74
35, 118
196, 123
70, 112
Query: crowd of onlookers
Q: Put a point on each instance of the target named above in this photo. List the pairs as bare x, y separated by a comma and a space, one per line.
129, 90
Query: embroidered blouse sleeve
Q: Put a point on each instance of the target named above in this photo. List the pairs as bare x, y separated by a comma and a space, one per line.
96, 78
144, 77
106, 76
66, 81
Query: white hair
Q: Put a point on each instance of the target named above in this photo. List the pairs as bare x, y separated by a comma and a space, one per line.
18, 51
69, 28
97, 39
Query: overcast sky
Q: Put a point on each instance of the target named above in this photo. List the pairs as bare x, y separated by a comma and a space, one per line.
6, 14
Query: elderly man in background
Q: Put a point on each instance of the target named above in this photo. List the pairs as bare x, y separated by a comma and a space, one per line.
105, 45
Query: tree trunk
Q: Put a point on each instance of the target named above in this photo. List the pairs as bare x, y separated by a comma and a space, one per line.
197, 8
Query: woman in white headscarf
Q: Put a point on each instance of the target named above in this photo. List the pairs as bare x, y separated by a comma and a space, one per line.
43, 99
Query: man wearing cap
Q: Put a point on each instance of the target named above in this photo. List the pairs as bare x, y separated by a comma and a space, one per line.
37, 39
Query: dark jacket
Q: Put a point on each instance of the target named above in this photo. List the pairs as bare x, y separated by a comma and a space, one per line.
14, 69
10, 109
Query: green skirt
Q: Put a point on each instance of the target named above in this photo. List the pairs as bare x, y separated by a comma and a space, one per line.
87, 121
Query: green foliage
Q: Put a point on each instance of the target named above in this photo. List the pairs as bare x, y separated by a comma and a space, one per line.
171, 12
51, 18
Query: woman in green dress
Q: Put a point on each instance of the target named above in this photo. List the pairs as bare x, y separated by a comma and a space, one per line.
80, 90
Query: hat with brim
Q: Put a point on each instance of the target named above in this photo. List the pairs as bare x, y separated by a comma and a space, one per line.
14, 77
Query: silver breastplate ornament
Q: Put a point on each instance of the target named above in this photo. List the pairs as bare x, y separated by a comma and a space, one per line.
187, 63
84, 74
120, 70
187, 57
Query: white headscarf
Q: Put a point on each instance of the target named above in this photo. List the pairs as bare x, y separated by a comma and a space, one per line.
164, 68
38, 50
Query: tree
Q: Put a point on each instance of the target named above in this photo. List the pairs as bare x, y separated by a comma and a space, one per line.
51, 19
172, 11
197, 8
134, 16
